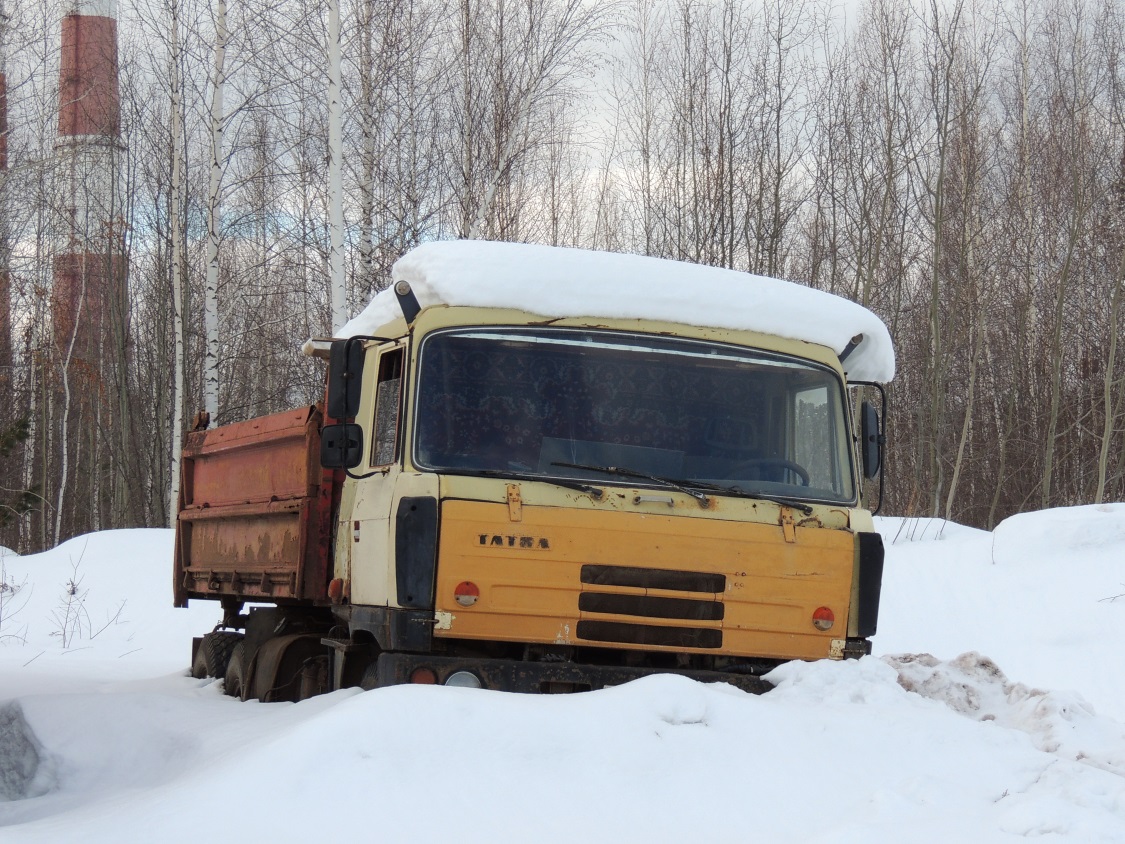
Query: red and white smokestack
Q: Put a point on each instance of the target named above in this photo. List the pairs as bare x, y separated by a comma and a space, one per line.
89, 280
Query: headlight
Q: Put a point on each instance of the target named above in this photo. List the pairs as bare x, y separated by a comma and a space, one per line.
464, 679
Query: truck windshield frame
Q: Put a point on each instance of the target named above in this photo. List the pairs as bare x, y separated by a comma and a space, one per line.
523, 400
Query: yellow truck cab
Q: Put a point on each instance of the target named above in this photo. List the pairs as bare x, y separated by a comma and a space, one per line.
552, 470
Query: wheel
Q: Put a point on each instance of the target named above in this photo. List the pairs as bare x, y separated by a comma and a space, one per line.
214, 654
770, 462
199, 664
370, 677
280, 668
237, 678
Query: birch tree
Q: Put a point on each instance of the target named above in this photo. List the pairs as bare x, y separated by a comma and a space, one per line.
211, 289
335, 171
178, 258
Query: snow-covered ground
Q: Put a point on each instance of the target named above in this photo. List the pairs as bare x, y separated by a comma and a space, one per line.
994, 709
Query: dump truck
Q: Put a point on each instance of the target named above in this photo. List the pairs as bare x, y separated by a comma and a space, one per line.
539, 469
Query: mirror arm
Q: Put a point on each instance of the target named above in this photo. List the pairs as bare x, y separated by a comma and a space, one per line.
356, 477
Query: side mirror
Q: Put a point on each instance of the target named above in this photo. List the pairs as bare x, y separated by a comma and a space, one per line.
345, 368
341, 446
871, 440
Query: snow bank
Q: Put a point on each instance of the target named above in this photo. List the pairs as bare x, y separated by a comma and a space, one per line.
907, 746
99, 606
1043, 596
560, 282
1095, 532
837, 752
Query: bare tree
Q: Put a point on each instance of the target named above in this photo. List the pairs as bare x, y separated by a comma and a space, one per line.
517, 61
177, 259
211, 290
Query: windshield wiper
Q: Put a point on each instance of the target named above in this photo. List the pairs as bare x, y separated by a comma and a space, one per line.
692, 487
799, 506
592, 491
624, 472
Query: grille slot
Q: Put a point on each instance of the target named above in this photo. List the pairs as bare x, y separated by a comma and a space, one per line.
646, 634
679, 581
648, 606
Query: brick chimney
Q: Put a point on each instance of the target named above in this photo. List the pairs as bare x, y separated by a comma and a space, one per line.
89, 266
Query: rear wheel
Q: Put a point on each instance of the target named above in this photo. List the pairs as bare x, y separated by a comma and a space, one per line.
237, 678
290, 667
214, 654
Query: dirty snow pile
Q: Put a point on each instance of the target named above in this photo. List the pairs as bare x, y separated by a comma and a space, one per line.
994, 711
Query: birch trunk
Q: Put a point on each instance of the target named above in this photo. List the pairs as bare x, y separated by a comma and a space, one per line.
1112, 401
177, 257
335, 172
467, 96
64, 424
967, 421
508, 152
211, 285
937, 352
367, 163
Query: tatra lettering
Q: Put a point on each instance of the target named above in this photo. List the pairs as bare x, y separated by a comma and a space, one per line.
496, 540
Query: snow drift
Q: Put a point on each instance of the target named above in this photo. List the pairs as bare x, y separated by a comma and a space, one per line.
108, 739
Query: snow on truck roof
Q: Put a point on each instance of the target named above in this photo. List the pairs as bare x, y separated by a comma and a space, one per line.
560, 282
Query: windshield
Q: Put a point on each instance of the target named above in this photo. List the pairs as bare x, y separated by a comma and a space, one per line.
529, 401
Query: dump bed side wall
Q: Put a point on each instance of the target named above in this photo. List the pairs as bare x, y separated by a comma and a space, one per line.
255, 511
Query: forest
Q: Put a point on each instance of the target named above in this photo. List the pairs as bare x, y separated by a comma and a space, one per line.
957, 166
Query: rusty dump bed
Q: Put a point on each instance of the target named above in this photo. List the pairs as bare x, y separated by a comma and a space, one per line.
255, 512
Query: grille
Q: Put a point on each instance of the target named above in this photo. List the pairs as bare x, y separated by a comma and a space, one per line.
679, 581
652, 606
647, 634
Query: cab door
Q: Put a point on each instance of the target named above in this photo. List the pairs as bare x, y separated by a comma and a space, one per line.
366, 523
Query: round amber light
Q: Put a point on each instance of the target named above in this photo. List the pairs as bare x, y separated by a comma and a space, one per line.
466, 593
823, 618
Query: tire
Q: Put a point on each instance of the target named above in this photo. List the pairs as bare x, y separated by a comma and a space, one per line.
370, 676
236, 680
214, 654
199, 664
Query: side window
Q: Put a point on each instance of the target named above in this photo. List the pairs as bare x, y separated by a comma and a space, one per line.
813, 431
388, 396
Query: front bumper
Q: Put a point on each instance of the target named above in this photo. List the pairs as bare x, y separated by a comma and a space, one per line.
538, 677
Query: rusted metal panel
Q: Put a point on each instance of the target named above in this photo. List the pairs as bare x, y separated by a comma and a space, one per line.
263, 459
255, 511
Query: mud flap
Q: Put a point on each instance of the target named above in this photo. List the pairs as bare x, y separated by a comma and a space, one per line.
870, 582
290, 668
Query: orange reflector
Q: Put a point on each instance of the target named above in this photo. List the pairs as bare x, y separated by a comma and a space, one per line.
336, 590
466, 593
823, 618
424, 676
